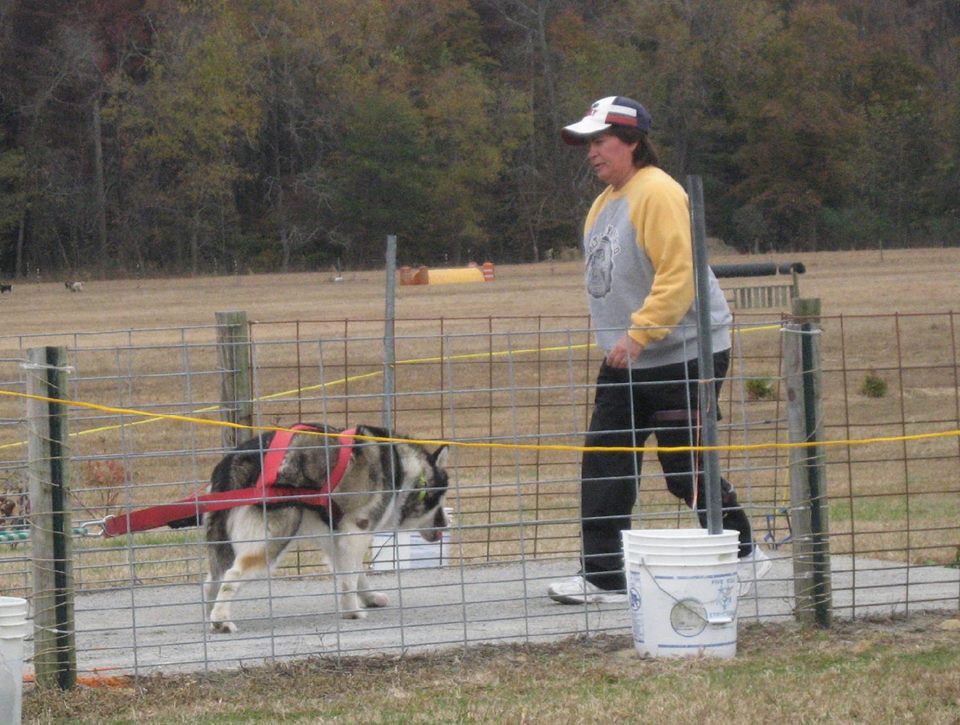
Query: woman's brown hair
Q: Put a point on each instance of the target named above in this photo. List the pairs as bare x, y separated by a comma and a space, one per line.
644, 154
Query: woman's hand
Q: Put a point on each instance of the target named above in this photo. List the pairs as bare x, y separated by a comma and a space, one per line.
626, 351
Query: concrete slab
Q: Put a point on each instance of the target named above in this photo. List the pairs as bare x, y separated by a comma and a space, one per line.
142, 630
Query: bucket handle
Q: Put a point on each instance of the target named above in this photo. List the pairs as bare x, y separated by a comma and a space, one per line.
716, 620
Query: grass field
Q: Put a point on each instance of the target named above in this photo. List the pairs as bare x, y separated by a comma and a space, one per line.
884, 313
849, 283
883, 673
880, 304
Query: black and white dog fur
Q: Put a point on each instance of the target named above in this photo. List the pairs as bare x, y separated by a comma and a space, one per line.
386, 485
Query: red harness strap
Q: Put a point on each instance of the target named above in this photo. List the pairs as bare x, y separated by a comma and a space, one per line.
264, 492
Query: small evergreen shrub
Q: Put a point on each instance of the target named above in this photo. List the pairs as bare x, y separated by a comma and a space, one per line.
760, 389
873, 386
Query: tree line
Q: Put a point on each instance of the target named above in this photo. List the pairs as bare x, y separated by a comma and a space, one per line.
224, 136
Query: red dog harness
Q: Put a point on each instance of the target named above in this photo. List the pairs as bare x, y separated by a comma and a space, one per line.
263, 492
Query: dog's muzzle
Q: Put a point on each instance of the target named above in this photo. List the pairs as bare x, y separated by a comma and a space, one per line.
439, 523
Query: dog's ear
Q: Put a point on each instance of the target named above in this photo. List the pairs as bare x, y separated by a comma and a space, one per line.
440, 456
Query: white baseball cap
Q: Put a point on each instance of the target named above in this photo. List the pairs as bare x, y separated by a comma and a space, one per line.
607, 112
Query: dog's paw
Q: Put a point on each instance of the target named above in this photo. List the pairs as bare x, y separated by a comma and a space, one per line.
374, 599
223, 627
354, 614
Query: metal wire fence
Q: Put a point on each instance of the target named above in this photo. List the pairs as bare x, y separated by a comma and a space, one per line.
512, 395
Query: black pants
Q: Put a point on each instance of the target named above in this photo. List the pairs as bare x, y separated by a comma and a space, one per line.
628, 407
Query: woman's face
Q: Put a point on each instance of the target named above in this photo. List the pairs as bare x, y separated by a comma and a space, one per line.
611, 159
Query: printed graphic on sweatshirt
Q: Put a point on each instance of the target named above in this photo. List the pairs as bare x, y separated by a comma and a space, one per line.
601, 252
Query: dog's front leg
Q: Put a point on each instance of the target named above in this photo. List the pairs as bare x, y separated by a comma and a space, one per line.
370, 597
347, 570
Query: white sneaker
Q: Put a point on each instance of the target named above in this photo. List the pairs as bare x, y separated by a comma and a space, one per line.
577, 590
751, 568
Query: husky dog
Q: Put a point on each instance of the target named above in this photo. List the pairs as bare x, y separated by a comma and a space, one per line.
379, 485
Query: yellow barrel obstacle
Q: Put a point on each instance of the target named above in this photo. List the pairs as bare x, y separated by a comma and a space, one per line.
450, 275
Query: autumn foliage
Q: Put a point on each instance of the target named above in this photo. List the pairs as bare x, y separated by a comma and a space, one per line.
171, 136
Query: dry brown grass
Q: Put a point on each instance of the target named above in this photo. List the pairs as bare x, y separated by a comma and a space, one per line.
849, 283
139, 335
883, 672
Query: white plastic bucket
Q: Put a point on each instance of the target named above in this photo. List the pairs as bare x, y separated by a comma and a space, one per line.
14, 627
682, 587
409, 550
688, 537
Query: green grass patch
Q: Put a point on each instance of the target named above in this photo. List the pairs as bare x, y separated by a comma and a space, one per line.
890, 509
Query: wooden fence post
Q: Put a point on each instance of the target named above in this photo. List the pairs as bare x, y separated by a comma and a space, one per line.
54, 640
808, 506
236, 368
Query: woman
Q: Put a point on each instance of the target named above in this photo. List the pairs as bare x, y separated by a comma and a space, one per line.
640, 286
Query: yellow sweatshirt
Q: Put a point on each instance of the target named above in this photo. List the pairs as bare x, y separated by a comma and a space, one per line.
639, 271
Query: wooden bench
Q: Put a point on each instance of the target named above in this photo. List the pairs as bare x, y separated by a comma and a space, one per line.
745, 296
762, 295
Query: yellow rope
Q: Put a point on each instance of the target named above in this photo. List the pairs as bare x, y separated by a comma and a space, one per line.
501, 446
153, 417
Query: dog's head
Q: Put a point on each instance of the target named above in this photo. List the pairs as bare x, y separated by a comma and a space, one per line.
422, 503
419, 481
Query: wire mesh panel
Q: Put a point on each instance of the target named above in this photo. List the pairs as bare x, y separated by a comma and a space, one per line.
511, 396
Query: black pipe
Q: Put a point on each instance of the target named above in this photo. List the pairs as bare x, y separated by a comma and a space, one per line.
765, 269
706, 385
